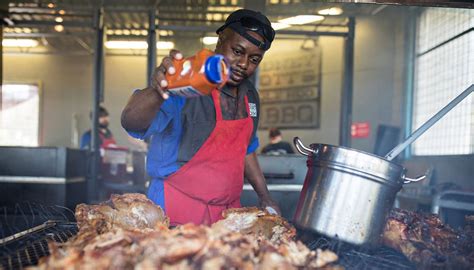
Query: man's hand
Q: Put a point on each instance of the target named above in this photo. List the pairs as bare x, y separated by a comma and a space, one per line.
158, 80
268, 202
254, 175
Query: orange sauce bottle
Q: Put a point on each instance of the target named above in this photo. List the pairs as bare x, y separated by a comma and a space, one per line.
198, 75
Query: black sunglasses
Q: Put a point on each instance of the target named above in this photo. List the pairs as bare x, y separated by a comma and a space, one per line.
254, 25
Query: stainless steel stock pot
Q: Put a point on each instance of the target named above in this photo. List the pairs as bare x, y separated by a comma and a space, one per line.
347, 193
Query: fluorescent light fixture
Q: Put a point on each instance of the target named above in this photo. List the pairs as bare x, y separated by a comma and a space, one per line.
223, 8
331, 11
22, 43
59, 28
165, 45
209, 40
137, 45
302, 19
59, 19
278, 26
118, 44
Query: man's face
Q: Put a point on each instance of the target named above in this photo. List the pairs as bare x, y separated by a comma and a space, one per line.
104, 121
243, 56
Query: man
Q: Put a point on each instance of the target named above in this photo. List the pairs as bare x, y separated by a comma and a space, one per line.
202, 147
277, 146
106, 138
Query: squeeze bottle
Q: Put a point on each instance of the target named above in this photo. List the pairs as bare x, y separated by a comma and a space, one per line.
198, 75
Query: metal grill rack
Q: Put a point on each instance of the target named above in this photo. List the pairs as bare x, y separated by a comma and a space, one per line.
27, 247
359, 257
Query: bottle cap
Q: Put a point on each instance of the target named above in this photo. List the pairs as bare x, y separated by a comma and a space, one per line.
213, 68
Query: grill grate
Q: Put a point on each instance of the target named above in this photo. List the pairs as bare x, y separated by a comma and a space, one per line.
358, 257
27, 247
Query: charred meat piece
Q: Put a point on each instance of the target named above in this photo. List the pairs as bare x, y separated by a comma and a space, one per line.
252, 220
130, 211
427, 242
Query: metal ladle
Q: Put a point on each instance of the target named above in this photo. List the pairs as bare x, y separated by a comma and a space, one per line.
428, 124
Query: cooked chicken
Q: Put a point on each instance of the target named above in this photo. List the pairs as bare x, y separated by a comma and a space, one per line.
131, 211
427, 242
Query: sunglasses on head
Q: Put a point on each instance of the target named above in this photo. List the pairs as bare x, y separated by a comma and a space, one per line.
254, 25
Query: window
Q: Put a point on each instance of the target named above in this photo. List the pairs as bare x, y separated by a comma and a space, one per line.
444, 68
19, 115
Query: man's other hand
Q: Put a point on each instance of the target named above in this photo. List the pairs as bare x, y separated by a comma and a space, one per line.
158, 80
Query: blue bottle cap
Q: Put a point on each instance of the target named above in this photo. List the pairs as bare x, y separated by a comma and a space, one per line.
213, 68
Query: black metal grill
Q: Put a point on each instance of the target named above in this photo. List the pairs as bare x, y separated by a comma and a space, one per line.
27, 247
358, 257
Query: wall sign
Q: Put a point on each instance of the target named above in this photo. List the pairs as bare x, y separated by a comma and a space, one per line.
360, 130
290, 90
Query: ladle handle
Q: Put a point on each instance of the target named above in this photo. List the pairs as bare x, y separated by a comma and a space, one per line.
303, 149
399, 148
407, 180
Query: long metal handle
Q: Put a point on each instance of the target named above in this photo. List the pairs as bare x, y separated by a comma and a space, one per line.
407, 180
399, 148
303, 149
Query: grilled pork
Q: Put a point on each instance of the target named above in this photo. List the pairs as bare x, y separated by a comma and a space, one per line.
131, 211
246, 238
427, 242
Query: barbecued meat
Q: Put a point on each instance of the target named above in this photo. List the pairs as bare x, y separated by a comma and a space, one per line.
427, 242
129, 211
254, 241
185, 247
252, 220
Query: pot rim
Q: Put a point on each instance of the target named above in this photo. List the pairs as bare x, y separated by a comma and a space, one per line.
314, 147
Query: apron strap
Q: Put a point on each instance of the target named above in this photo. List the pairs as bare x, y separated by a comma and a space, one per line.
217, 104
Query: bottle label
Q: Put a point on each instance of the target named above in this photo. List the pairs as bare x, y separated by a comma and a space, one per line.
186, 91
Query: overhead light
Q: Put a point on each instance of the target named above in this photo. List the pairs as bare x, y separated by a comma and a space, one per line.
209, 40
165, 45
59, 19
22, 43
50, 5
62, 12
217, 17
117, 44
137, 45
223, 8
331, 11
144, 32
126, 32
59, 28
302, 19
278, 26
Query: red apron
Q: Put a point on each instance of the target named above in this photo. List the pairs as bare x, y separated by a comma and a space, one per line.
213, 179
107, 142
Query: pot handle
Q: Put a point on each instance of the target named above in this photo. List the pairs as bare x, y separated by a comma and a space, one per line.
407, 180
303, 149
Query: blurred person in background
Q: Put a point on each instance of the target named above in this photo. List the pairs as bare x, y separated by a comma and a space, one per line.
277, 146
106, 138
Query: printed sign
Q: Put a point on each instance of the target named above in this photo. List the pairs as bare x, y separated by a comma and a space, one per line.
290, 90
